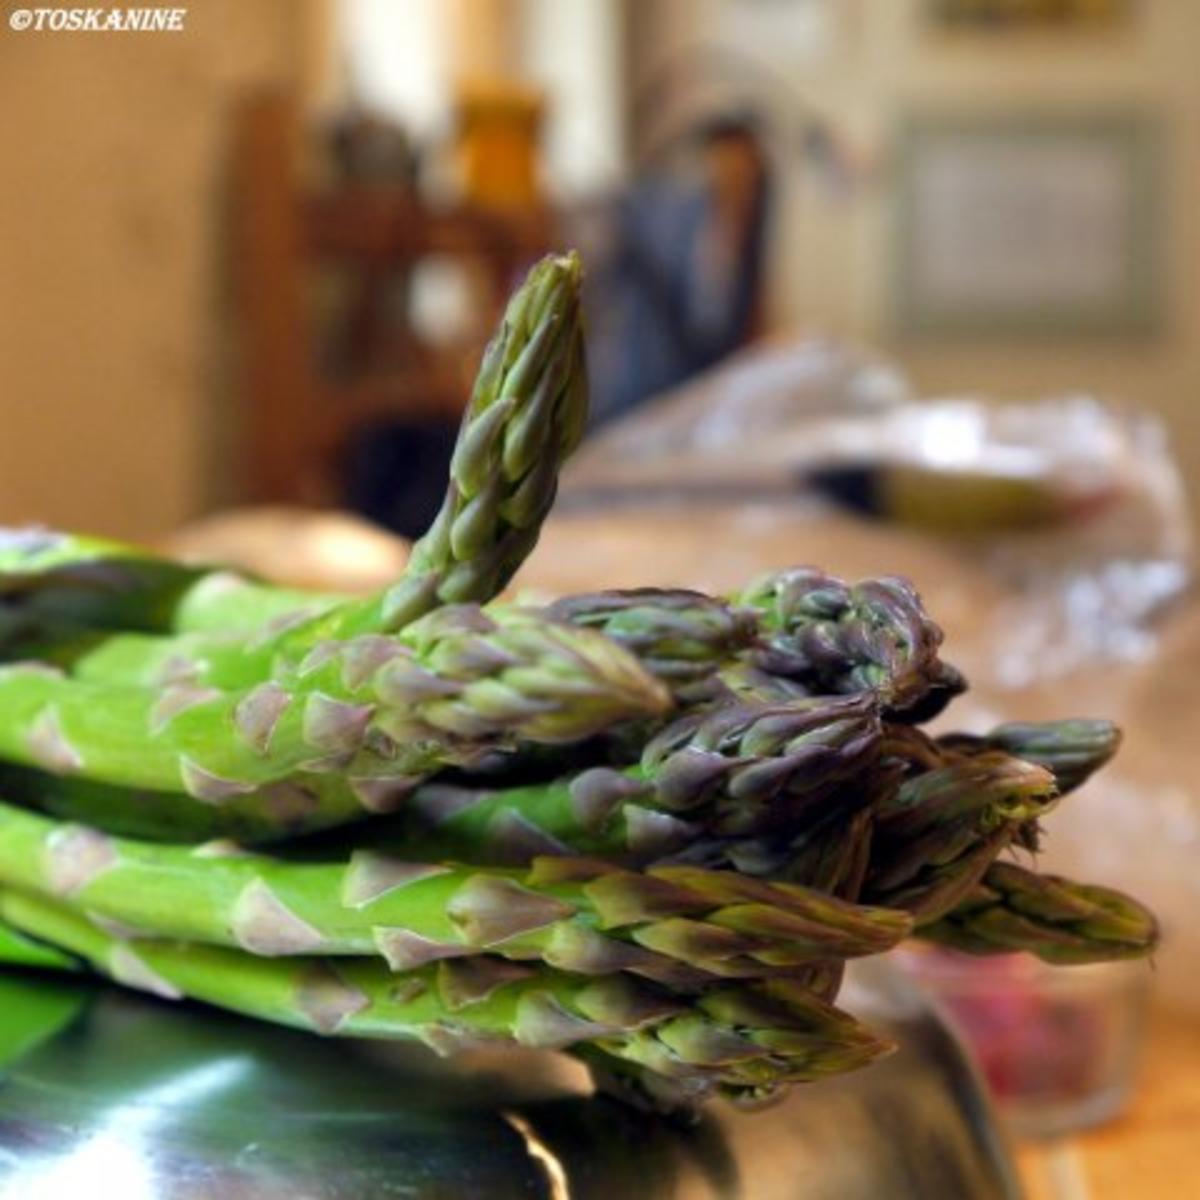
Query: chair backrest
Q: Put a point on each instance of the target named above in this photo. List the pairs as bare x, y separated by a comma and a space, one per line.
285, 233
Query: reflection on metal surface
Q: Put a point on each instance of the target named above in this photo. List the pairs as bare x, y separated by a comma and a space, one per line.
173, 1102
123, 1146
560, 1189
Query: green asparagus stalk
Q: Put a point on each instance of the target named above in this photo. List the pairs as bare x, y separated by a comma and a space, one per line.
306, 803
455, 679
51, 580
265, 815
936, 836
577, 914
829, 637
1060, 921
740, 1038
19, 950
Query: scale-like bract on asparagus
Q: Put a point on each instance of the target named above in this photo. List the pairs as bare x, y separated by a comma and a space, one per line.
456, 679
679, 636
827, 636
581, 915
1014, 909
744, 1037
939, 832
781, 1034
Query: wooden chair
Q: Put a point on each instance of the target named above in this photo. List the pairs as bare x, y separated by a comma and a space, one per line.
299, 416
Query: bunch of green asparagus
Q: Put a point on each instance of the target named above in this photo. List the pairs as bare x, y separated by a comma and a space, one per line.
646, 827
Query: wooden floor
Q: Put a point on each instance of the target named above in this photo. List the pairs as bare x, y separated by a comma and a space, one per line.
1150, 1153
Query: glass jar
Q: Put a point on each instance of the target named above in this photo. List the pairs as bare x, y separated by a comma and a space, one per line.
1058, 1046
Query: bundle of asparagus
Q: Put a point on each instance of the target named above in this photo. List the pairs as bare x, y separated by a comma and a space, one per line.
646, 827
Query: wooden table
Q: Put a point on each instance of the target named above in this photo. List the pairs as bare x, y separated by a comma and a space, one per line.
1150, 1153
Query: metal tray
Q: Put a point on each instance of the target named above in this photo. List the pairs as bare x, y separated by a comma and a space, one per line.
104, 1093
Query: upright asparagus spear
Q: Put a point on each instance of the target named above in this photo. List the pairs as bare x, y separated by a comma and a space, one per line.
581, 915
1013, 909
737, 1037
526, 415
936, 836
455, 679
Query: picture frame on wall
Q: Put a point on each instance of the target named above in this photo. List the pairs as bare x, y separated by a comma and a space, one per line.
1028, 14
1028, 224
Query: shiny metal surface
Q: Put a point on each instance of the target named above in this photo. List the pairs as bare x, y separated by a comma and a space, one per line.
106, 1094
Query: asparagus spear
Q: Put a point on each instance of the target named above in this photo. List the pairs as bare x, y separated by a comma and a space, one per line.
1072, 750
739, 1037
936, 836
306, 803
265, 815
48, 577
736, 768
698, 646
577, 914
51, 579
827, 636
455, 679
682, 638
726, 774
1060, 921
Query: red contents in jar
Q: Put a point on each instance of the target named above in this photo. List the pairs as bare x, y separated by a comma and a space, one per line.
1035, 1042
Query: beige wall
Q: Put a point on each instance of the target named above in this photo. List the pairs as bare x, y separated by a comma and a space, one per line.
114, 372
880, 63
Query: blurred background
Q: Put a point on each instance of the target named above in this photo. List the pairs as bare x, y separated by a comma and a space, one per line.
139, 166
885, 285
